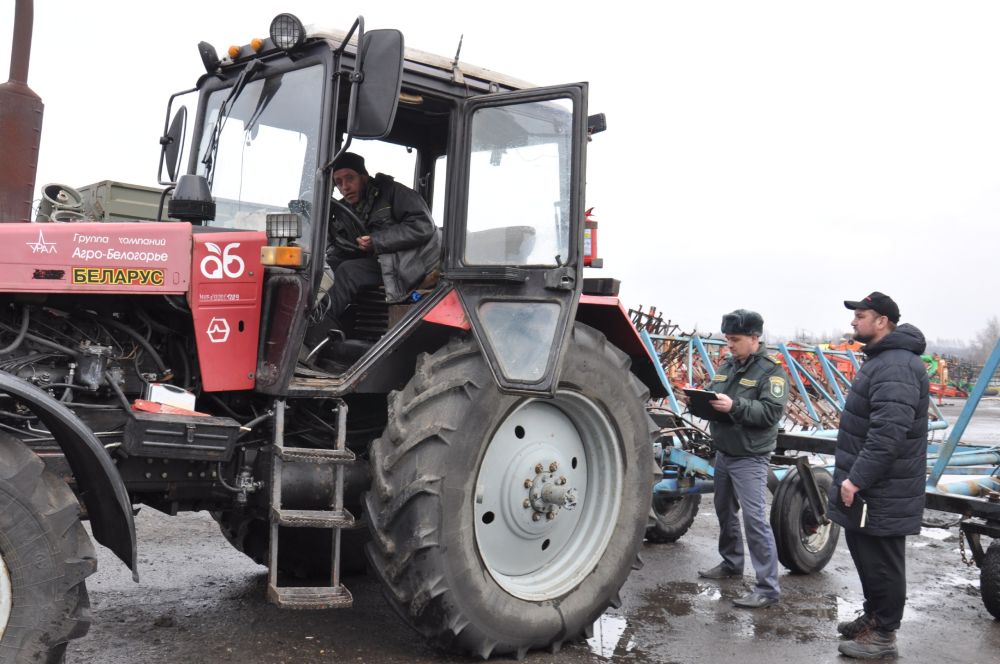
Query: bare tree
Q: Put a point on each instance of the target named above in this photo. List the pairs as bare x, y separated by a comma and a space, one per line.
986, 340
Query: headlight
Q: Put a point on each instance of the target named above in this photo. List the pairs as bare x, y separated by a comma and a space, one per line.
287, 31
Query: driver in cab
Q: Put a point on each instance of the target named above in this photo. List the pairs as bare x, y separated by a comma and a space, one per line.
391, 240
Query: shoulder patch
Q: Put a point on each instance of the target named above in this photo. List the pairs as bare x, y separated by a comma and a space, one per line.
777, 386
720, 378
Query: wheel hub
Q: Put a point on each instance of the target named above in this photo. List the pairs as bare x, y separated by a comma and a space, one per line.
548, 493
536, 530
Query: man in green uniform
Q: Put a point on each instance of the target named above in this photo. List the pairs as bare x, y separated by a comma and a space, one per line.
752, 391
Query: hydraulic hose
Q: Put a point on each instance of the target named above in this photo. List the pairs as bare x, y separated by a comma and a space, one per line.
20, 334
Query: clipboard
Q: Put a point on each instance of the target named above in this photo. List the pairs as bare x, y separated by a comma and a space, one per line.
698, 404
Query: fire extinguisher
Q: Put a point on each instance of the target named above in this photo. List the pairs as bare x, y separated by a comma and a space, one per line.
590, 258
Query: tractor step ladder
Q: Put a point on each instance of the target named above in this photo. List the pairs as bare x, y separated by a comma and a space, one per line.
334, 596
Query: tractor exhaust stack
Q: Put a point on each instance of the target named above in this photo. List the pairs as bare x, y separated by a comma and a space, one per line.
20, 124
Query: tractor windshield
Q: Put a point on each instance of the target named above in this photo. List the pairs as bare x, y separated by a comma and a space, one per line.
266, 152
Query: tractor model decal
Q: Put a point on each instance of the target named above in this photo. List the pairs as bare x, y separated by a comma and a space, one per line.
118, 276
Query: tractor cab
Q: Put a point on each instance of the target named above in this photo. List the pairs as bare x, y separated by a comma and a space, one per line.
498, 162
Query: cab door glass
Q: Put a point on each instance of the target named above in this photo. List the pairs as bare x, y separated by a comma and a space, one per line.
519, 188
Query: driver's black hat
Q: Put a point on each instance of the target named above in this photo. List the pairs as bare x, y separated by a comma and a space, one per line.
877, 302
350, 160
743, 321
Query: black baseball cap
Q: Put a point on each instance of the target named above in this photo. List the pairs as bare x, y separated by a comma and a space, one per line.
877, 302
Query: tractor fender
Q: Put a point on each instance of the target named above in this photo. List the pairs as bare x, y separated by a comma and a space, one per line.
100, 487
607, 314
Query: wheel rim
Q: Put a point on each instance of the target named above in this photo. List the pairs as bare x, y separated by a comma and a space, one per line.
530, 554
814, 536
6, 596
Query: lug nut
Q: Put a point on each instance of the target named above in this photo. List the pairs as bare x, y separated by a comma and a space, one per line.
550, 516
553, 466
527, 484
536, 516
539, 468
562, 480
526, 504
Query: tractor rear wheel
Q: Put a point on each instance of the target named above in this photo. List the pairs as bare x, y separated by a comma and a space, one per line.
504, 523
45, 557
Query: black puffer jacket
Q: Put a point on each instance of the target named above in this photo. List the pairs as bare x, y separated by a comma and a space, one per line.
406, 242
882, 443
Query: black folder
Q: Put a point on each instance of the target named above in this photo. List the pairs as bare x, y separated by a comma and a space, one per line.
698, 404
857, 513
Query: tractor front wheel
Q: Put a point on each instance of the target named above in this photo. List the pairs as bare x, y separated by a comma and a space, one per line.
45, 556
505, 523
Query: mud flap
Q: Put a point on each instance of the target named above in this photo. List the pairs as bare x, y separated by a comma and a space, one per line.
100, 486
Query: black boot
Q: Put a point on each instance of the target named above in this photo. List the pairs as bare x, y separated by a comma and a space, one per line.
871, 644
852, 629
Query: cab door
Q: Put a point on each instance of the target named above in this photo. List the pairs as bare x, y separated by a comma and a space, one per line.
515, 227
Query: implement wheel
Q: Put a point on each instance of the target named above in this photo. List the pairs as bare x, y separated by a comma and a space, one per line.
670, 518
989, 579
804, 545
504, 523
45, 555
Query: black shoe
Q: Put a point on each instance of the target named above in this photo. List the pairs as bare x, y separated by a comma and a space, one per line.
720, 571
872, 644
852, 629
754, 600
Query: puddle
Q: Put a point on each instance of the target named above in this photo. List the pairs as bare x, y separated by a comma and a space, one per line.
608, 633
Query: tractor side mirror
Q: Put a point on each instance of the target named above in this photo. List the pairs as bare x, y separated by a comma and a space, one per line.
381, 63
173, 142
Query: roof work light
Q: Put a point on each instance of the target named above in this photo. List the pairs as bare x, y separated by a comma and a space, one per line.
287, 31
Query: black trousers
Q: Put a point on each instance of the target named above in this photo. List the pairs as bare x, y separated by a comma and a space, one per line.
881, 565
349, 277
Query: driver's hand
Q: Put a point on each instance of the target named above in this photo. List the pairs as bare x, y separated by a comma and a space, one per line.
365, 243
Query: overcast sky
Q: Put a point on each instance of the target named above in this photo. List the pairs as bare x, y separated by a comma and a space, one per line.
778, 156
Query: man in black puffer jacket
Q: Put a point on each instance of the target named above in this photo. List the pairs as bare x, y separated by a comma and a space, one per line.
882, 461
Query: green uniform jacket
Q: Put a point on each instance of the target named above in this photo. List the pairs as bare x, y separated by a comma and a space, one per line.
759, 390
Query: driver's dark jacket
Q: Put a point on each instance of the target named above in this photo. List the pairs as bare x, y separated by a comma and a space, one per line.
406, 242
759, 391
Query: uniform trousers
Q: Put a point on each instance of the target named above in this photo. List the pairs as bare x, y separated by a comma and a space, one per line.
881, 565
741, 483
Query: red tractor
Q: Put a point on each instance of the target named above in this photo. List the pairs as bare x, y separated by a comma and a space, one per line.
483, 448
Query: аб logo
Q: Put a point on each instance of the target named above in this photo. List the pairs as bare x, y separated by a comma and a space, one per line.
220, 262
41, 246
218, 330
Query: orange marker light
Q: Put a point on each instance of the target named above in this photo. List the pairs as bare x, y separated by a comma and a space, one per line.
234, 52
283, 256
256, 44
